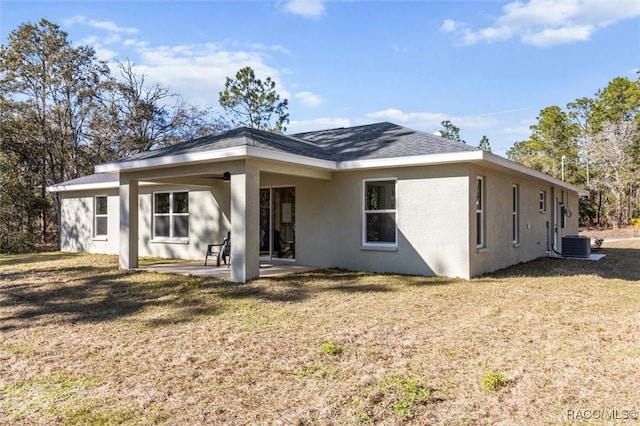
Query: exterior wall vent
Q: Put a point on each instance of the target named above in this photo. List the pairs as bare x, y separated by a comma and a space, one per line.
576, 246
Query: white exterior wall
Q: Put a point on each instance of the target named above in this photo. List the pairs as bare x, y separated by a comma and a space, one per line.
208, 222
435, 216
536, 228
329, 215
76, 233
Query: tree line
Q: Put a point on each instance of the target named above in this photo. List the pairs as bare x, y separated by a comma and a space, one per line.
63, 111
593, 143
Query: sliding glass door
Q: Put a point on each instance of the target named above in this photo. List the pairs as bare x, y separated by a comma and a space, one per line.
278, 223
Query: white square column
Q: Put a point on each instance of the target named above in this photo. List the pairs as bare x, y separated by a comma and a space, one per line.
128, 223
245, 224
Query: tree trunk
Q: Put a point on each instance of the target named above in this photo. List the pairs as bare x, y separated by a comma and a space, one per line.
43, 234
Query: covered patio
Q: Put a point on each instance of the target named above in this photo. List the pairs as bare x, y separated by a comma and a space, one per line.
232, 167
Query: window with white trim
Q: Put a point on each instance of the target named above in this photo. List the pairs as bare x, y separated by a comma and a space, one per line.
171, 215
100, 217
543, 201
515, 224
379, 227
480, 222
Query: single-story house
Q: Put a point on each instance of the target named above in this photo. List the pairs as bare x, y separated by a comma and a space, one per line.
379, 197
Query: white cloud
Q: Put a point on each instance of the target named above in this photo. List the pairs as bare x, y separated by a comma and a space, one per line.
449, 25
418, 120
562, 35
306, 8
399, 49
430, 121
322, 123
309, 99
546, 22
196, 71
109, 26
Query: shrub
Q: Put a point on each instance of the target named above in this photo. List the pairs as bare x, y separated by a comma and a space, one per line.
597, 242
493, 381
407, 394
635, 221
19, 243
330, 348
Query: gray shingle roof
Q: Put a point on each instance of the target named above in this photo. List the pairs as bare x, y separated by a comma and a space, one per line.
242, 136
371, 141
380, 140
92, 179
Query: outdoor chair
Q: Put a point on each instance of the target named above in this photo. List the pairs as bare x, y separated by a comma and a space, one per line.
221, 251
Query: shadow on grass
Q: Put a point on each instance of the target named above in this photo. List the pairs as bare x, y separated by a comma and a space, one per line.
86, 294
619, 263
17, 259
302, 286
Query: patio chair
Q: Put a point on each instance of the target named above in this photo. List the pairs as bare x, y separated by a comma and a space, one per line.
221, 251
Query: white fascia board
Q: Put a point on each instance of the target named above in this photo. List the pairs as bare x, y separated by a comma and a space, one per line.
416, 160
503, 162
90, 186
82, 186
296, 159
173, 160
456, 157
215, 155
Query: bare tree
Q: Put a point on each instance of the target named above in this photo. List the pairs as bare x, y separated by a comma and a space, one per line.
611, 150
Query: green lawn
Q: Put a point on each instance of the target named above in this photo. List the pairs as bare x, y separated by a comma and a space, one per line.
84, 343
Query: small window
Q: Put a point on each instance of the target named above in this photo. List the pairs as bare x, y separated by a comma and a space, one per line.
515, 214
543, 201
480, 222
379, 216
171, 215
100, 216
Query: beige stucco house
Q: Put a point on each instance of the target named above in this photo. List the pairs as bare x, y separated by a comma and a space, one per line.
378, 197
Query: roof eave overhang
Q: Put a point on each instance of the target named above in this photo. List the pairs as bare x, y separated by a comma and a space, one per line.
409, 161
218, 155
90, 186
503, 162
248, 151
478, 157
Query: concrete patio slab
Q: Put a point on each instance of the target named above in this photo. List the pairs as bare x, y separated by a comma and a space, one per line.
267, 269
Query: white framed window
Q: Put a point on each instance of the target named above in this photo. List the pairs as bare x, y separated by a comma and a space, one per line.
480, 207
379, 227
543, 201
100, 216
171, 215
515, 224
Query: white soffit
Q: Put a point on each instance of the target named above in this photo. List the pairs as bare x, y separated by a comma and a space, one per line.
300, 160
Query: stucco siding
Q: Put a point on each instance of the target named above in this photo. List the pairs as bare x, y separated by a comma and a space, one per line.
330, 214
435, 216
77, 223
208, 222
535, 227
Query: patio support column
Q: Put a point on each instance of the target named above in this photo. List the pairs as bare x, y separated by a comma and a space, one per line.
245, 224
128, 223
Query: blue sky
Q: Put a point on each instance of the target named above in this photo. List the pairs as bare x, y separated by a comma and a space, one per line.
488, 66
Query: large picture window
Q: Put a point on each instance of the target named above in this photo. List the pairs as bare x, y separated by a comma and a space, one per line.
100, 217
171, 215
379, 215
480, 222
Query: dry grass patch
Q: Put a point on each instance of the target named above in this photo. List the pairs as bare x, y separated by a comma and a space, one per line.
84, 343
